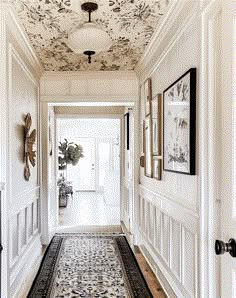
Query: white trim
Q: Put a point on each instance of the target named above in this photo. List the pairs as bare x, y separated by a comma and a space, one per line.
22, 38
98, 104
3, 155
206, 154
94, 99
13, 53
167, 199
88, 116
121, 75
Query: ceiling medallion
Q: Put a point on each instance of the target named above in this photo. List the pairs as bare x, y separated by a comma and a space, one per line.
89, 39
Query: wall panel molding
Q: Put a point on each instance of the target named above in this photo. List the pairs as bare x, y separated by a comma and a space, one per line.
170, 234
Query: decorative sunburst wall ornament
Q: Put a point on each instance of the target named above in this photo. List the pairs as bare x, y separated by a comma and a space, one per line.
30, 147
130, 24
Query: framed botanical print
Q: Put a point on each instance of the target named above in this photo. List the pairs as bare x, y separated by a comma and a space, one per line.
148, 147
179, 124
157, 166
148, 96
156, 124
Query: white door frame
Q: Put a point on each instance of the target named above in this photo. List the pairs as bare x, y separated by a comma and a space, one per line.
209, 100
45, 229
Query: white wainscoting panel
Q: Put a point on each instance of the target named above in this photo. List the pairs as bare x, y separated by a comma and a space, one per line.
169, 233
23, 226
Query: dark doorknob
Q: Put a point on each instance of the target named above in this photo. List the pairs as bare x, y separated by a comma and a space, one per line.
221, 247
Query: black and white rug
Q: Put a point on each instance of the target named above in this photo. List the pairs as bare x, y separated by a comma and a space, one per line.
89, 265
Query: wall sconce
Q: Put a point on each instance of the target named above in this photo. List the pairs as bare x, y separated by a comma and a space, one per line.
30, 146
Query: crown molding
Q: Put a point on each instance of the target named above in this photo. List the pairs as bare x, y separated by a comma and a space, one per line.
174, 24
13, 23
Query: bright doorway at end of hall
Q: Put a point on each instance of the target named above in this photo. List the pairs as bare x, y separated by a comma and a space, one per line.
95, 180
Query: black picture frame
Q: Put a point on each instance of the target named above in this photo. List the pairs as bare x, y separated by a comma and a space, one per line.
126, 117
179, 125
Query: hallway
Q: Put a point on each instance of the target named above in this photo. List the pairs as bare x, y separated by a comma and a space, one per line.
89, 208
167, 75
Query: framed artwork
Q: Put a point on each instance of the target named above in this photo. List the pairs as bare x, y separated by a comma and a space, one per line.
179, 124
127, 131
148, 147
148, 96
157, 161
156, 124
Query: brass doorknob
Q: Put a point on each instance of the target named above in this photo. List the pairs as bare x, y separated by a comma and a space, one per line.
222, 247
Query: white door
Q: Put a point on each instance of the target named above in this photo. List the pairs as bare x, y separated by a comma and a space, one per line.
83, 174
228, 173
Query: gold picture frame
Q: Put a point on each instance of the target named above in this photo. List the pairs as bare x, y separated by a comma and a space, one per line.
157, 167
148, 96
148, 158
156, 124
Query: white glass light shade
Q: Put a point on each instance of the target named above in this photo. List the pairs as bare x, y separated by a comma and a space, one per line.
89, 38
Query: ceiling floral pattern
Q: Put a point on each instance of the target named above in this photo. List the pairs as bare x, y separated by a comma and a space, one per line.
130, 23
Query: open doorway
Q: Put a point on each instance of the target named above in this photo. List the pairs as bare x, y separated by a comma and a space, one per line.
93, 184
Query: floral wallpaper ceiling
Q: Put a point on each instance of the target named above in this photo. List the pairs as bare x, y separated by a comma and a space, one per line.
130, 23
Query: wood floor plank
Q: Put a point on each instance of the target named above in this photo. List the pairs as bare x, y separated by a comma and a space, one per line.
149, 276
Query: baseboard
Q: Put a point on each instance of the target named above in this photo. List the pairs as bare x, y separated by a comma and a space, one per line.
128, 235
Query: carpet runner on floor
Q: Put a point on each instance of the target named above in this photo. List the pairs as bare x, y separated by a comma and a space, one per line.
89, 265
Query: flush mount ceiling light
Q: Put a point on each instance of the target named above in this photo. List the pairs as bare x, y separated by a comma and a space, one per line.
89, 39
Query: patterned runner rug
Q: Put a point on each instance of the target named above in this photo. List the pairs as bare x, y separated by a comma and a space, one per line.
88, 265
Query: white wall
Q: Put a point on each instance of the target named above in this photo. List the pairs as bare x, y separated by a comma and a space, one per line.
167, 211
20, 71
98, 86
87, 128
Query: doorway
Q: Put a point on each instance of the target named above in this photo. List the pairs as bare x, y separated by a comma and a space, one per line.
94, 197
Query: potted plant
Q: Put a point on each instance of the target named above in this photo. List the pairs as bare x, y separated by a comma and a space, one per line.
69, 153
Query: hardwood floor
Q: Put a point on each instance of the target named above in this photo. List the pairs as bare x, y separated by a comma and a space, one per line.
149, 276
